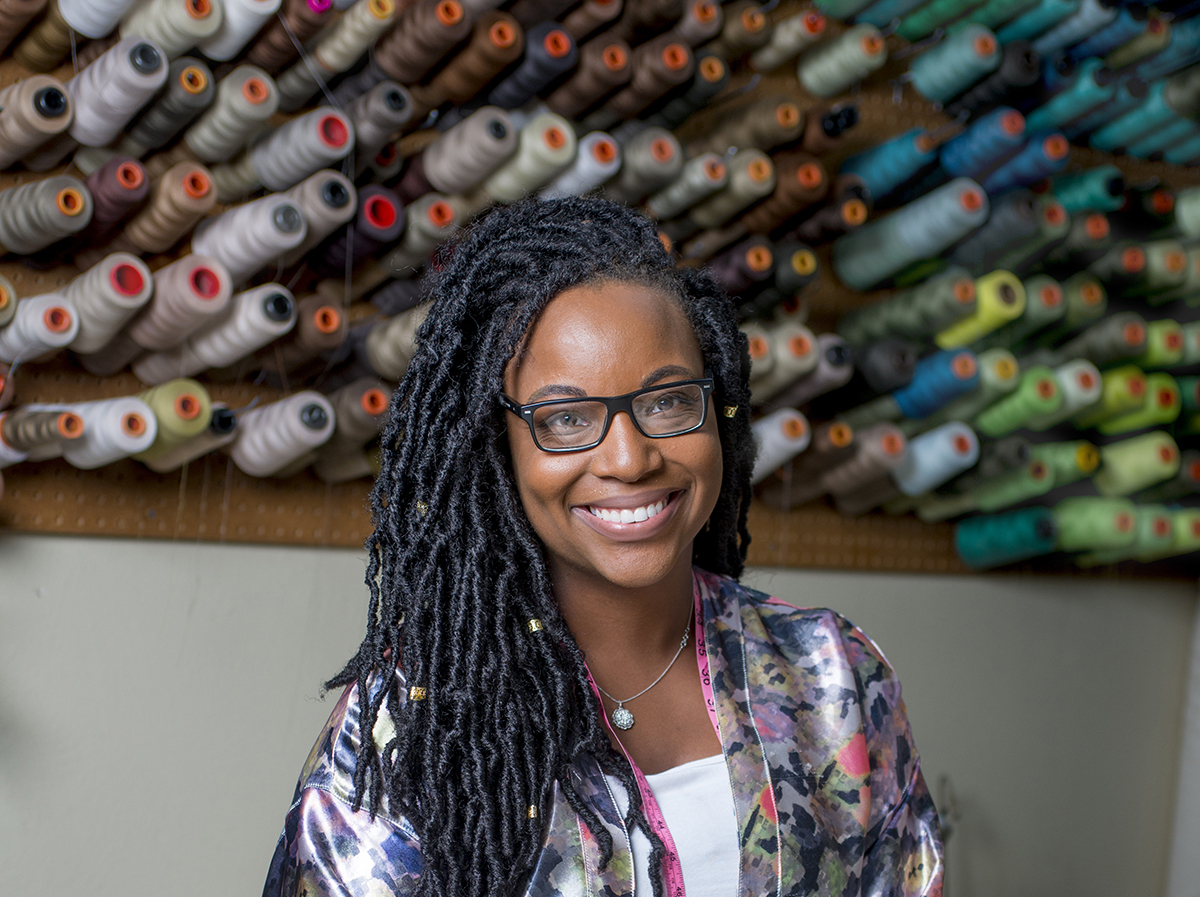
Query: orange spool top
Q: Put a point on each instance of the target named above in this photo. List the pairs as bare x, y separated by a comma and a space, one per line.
964, 291
758, 170
872, 44
1136, 386
133, 424
255, 91
449, 12
1055, 147
714, 170
787, 115
57, 319
441, 213
793, 428
759, 348
1047, 388
1012, 123
854, 212
199, 9
675, 57
502, 35
804, 262
1123, 522
840, 435
712, 69
1167, 397
70, 425
662, 150
753, 21
759, 258
187, 406
554, 138
984, 45
1175, 262
1134, 334
704, 11
193, 80
615, 58
1054, 213
892, 443
1163, 202
69, 202
971, 200
327, 319
814, 22
1086, 380
1162, 527
1096, 226
197, 184
1090, 294
374, 401
964, 365
604, 151
1174, 340
810, 175
557, 44
799, 345
1051, 296
962, 445
1133, 260
130, 175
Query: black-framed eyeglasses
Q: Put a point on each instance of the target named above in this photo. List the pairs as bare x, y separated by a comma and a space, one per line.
574, 425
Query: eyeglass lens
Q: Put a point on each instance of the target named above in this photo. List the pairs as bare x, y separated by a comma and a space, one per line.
659, 412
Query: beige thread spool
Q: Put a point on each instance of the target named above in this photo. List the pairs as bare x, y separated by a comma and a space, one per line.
47, 43
745, 30
246, 98
174, 26
422, 36
32, 216
833, 66
327, 200
700, 178
764, 124
432, 220
658, 65
604, 65
794, 353
391, 344
14, 16
187, 294
801, 180
106, 297
274, 47
650, 160
178, 200
590, 16
360, 408
32, 111
702, 21
788, 39
467, 153
545, 147
496, 42
751, 178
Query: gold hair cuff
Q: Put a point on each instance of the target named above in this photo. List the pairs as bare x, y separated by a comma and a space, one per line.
417, 693
535, 625
731, 410
422, 508
532, 811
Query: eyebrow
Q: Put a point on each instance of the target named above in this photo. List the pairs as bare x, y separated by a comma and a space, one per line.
558, 390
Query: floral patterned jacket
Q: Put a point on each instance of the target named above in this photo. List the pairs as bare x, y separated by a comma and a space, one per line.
827, 786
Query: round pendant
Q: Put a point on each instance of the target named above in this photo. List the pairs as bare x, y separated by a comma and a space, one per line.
622, 718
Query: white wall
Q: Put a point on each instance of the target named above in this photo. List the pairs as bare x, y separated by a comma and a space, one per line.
157, 700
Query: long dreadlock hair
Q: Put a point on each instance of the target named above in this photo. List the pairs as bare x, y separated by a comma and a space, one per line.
456, 572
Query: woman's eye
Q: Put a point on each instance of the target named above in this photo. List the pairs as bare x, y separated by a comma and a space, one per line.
565, 420
671, 401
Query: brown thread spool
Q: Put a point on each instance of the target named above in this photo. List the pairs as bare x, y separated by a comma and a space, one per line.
745, 29
496, 42
749, 263
32, 111
274, 47
320, 327
47, 43
530, 12
14, 16
832, 221
116, 186
178, 200
604, 65
642, 19
590, 16
658, 65
764, 124
801, 180
25, 430
701, 22
825, 126
423, 35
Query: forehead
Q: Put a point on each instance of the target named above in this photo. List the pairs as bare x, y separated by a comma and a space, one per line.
604, 339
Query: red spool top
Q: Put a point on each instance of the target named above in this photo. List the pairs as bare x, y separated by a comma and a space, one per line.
380, 212
206, 283
333, 131
1051, 296
126, 279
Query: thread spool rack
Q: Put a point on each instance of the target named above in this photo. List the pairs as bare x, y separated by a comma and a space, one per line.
210, 500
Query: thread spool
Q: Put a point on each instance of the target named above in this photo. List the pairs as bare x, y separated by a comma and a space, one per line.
190, 89
1037, 394
390, 345
545, 147
1121, 390
711, 77
1038, 20
254, 318
996, 540
182, 410
657, 66
1130, 23
378, 222
1013, 217
1164, 345
1019, 71
833, 66
1186, 482
296, 150
937, 380
335, 50
801, 181
8, 308
699, 178
834, 369
221, 430
1191, 344
758, 345
780, 435
46, 43
327, 200
641, 20
887, 166
1089, 17
359, 407
174, 26
1080, 384
999, 375
702, 20
590, 16
188, 294
936, 457
549, 53
467, 153
935, 305
887, 365
1154, 534
1040, 158
320, 327
178, 200
106, 297
604, 66
1136, 463
794, 351
112, 429
248, 237
298, 20
878, 451
1000, 299
986, 143
1093, 84
242, 19
496, 42
32, 111
787, 40
1115, 338
423, 34
749, 263
1162, 406
381, 112
245, 99
597, 160
744, 30
1004, 491
649, 161
108, 93
751, 177
14, 16
41, 324
25, 431
274, 436
34, 215
922, 229
1095, 189
764, 124
1129, 94
953, 65
1069, 462
116, 188
432, 220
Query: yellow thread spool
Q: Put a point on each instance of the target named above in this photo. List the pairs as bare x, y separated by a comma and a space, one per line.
1000, 298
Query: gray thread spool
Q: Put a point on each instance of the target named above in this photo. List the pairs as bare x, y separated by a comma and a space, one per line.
245, 99
1116, 338
529, 12
242, 19
833, 66
106, 297
391, 344
377, 115
190, 90
25, 430
751, 178
658, 66
549, 53
42, 325
320, 327
178, 200
831, 444
596, 161
247, 238
744, 29
1013, 216
360, 408
175, 26
650, 160
328, 200
711, 77
788, 39
32, 216
187, 294
274, 437
763, 124
834, 368
780, 435
301, 147
461, 158
432, 220
699, 178
32, 111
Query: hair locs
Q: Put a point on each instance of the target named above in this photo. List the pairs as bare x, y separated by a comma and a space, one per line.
456, 572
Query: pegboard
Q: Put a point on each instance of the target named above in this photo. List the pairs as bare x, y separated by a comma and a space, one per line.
210, 500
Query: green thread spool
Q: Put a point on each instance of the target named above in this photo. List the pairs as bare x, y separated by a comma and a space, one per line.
1100, 189
1000, 299
1164, 345
1185, 535
1118, 337
996, 493
1043, 307
999, 374
1185, 482
915, 312
841, 9
1187, 212
182, 408
1153, 532
1086, 237
1095, 524
1189, 289
1122, 390
1070, 461
1163, 405
1189, 393
1135, 463
1080, 383
993, 14
1165, 270
928, 18
1084, 300
1036, 394
836, 64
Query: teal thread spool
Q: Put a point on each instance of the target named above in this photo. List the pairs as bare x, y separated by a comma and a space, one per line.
929, 17
1184, 152
1185, 482
884, 12
999, 375
1153, 532
950, 67
1043, 307
1136, 463
1164, 138
1163, 405
1164, 345
1093, 85
887, 166
1080, 384
1100, 189
841, 9
993, 14
1122, 390
1094, 524
1154, 112
996, 540
1042, 17
1069, 462
1037, 394
1189, 394
1185, 536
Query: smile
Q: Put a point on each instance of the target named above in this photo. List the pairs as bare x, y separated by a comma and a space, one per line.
628, 515
632, 523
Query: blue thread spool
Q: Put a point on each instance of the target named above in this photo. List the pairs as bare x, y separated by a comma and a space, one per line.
1164, 138
1094, 84
1058, 73
994, 540
936, 457
984, 145
1041, 157
1091, 16
939, 379
1184, 153
883, 12
950, 67
1013, 218
1152, 113
1100, 189
1041, 18
1130, 93
887, 166
1182, 51
1129, 23
549, 52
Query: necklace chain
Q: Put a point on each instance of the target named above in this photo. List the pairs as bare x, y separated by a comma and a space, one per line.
623, 718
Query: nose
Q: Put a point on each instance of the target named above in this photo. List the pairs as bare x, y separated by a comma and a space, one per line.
625, 453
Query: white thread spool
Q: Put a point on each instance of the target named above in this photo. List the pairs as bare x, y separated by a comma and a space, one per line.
253, 319
42, 324
936, 457
469, 151
390, 345
699, 179
93, 18
328, 200
221, 430
781, 436
833, 66
106, 296
545, 147
597, 160
32, 216
187, 294
33, 111
241, 21
833, 369
174, 26
112, 429
247, 238
304, 145
758, 344
432, 220
789, 39
274, 436
650, 160
1080, 383
110, 91
794, 349
246, 98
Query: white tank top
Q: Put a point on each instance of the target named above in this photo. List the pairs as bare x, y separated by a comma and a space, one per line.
697, 803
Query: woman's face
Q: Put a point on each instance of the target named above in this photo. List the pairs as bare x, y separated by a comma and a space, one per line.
610, 339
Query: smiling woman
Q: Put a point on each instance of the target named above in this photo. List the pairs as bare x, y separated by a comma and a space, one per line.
561, 521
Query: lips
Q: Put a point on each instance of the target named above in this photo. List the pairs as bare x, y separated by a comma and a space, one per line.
635, 517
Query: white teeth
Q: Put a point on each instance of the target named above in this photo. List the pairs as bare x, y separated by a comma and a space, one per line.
628, 515
639, 515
